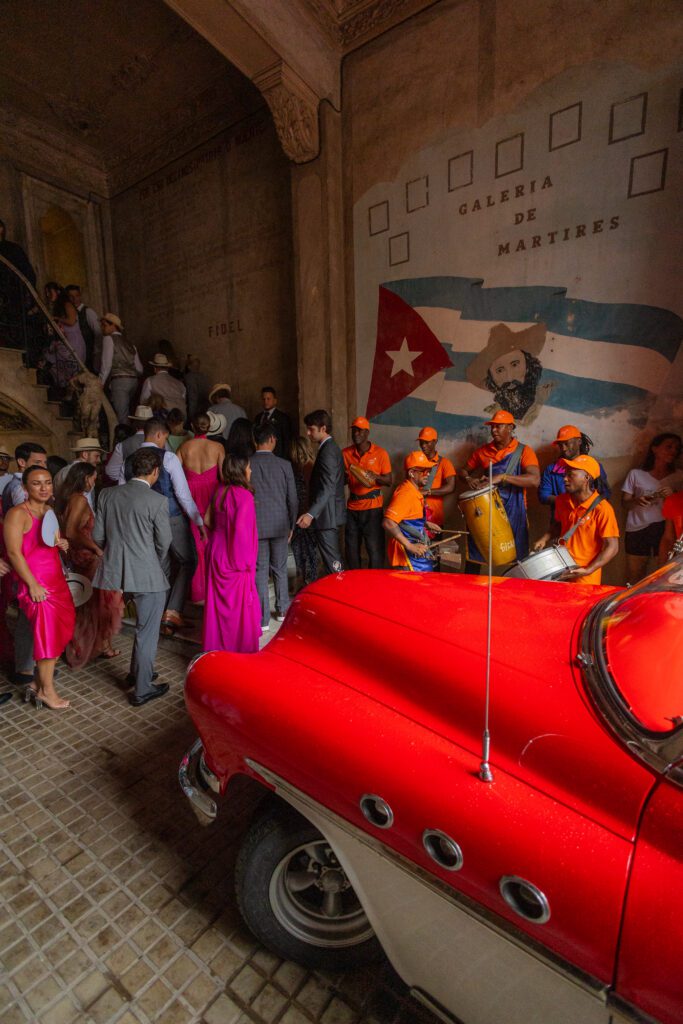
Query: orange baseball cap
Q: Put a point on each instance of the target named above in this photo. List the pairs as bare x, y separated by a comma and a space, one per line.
361, 423
428, 434
565, 433
417, 460
502, 416
585, 462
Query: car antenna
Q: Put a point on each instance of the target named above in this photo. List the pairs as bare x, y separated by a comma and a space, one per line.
485, 773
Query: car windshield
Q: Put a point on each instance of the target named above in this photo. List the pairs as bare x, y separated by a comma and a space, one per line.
633, 650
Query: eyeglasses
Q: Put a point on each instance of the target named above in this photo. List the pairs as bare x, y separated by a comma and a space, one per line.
110, 322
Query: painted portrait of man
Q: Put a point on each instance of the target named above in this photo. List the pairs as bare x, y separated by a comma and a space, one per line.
509, 367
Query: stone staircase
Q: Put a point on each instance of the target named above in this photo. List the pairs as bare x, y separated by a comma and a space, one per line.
30, 411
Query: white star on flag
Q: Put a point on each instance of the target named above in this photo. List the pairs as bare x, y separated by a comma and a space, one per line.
403, 359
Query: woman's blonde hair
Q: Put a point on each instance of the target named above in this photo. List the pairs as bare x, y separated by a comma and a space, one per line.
300, 451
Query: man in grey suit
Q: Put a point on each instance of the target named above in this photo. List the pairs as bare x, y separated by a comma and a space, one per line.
132, 526
276, 506
327, 506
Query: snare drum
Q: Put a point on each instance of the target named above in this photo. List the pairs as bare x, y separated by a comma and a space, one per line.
547, 564
475, 508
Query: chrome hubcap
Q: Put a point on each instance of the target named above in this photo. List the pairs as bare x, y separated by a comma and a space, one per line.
313, 900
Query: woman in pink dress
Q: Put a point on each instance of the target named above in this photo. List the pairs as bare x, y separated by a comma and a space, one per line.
99, 619
201, 460
232, 613
43, 594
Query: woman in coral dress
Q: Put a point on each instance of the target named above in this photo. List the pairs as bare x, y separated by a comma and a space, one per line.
43, 594
232, 613
201, 460
99, 619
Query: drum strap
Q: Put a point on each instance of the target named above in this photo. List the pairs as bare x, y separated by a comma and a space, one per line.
572, 529
432, 473
364, 497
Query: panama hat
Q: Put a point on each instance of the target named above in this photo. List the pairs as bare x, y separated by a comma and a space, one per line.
142, 412
219, 387
217, 422
113, 319
160, 360
87, 444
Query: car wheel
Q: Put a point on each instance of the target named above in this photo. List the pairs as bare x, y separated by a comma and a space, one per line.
295, 897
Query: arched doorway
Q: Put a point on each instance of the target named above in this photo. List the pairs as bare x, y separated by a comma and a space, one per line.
63, 248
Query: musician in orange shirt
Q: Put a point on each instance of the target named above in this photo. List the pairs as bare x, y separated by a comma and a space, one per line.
368, 469
441, 477
405, 520
672, 510
595, 538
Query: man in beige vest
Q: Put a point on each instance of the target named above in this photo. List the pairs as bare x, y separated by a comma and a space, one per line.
121, 366
170, 389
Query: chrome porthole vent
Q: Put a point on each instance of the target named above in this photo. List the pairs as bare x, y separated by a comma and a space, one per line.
443, 850
376, 810
525, 899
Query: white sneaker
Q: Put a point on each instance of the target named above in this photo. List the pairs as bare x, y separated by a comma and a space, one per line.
264, 629
279, 618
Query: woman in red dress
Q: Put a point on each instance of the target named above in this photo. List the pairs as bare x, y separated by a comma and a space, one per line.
43, 594
99, 619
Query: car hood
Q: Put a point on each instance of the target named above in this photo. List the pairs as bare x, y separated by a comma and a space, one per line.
417, 644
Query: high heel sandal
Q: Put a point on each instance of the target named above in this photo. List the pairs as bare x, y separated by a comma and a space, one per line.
28, 691
40, 702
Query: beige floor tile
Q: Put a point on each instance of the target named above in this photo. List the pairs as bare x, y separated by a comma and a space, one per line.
117, 907
223, 1011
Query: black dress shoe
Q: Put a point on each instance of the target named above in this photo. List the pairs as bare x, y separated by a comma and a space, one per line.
130, 678
157, 691
4, 697
22, 678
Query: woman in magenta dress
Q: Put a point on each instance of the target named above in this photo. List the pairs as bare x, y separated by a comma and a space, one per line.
98, 620
43, 594
201, 460
232, 613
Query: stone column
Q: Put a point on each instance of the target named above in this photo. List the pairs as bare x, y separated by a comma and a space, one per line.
318, 236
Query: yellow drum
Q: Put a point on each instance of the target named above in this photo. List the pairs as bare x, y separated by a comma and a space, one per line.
475, 508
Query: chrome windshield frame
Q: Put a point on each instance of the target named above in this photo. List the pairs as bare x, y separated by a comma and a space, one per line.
663, 752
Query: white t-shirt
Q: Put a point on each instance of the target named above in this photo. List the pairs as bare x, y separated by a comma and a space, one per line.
640, 482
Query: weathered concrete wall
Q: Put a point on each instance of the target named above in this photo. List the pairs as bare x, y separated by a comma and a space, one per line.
203, 254
519, 164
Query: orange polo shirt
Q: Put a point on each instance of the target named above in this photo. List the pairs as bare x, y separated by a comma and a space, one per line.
444, 472
406, 503
480, 457
673, 509
585, 543
375, 459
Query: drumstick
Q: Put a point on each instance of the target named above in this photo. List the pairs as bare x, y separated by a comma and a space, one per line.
437, 543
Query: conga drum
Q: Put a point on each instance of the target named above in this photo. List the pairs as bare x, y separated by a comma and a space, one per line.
475, 508
548, 564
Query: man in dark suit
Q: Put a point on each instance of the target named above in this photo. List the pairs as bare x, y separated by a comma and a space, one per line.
276, 507
278, 420
132, 526
327, 507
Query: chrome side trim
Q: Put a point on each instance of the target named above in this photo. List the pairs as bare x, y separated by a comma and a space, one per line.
626, 1013
189, 774
480, 914
436, 1008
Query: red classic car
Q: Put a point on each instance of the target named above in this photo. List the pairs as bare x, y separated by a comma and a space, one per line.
551, 894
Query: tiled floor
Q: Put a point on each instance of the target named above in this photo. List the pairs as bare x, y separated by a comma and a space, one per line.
115, 905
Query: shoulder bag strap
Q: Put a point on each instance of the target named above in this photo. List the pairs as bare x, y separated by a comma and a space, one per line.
572, 529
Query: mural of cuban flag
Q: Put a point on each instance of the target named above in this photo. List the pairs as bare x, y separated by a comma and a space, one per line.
450, 351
